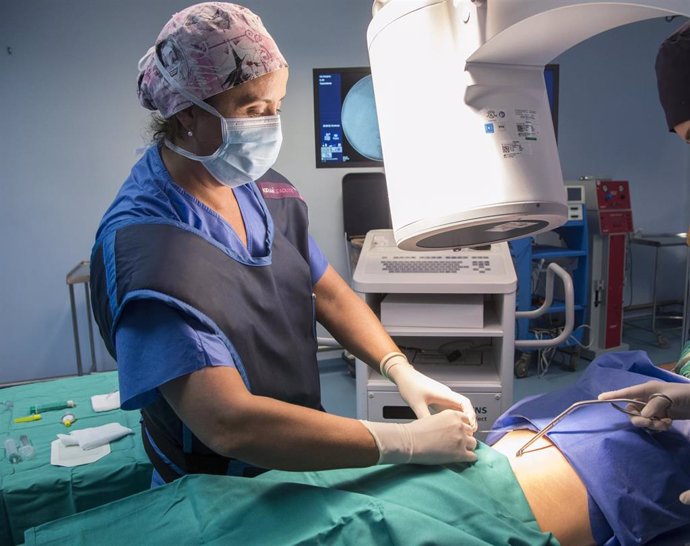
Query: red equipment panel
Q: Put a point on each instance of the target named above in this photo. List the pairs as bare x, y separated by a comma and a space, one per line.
614, 291
615, 210
616, 221
613, 194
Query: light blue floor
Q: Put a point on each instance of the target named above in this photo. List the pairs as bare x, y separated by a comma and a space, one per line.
338, 385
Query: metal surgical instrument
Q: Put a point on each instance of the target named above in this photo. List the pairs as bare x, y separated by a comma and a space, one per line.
614, 402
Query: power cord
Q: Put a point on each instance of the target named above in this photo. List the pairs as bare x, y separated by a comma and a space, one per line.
453, 351
572, 338
545, 356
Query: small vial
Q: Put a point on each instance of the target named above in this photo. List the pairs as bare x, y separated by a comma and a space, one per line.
11, 450
26, 449
68, 419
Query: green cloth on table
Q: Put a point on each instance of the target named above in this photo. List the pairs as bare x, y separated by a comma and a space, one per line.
33, 491
480, 504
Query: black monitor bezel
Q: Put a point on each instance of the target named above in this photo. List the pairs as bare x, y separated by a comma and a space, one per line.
556, 71
368, 164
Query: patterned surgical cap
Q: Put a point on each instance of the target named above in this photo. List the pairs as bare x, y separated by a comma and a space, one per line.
207, 48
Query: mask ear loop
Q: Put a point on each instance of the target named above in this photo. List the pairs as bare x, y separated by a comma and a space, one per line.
154, 51
175, 85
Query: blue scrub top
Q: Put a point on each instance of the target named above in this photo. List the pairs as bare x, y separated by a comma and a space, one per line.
155, 343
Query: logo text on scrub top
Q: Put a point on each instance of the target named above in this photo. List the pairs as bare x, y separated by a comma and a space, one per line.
276, 190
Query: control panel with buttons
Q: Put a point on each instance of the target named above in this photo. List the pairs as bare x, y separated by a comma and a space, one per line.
614, 206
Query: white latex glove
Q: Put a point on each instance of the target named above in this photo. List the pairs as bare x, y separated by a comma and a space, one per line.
658, 408
420, 391
442, 438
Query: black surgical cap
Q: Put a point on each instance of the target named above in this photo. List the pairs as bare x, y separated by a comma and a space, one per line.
673, 76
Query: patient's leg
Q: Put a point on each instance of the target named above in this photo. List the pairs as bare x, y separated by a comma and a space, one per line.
554, 491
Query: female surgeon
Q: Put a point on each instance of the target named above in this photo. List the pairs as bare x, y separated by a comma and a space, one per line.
206, 284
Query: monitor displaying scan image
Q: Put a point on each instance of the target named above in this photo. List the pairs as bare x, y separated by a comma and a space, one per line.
345, 122
346, 126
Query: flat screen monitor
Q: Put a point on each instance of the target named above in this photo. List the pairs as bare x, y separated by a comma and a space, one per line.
575, 194
346, 127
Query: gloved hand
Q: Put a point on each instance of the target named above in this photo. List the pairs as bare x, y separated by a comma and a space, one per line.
420, 391
659, 407
442, 438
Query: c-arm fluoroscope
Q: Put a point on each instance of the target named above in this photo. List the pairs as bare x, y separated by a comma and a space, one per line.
468, 144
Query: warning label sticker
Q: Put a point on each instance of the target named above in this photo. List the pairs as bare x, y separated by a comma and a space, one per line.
494, 114
516, 130
512, 149
527, 131
526, 124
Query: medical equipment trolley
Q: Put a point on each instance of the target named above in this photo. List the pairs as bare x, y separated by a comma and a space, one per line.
452, 312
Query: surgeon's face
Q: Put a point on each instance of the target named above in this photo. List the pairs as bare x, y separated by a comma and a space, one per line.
683, 130
261, 96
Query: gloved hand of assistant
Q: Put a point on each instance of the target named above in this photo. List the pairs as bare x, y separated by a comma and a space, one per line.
658, 413
442, 438
422, 392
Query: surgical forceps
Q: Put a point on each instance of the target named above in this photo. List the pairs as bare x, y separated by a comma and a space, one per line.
614, 402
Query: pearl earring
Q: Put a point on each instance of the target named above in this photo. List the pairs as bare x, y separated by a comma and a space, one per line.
189, 133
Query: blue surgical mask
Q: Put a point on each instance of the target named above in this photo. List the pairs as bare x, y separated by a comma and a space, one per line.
250, 145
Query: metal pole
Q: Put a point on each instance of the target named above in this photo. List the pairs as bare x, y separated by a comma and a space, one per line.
656, 267
75, 329
87, 293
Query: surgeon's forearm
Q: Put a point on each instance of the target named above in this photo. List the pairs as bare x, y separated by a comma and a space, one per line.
350, 320
283, 436
216, 406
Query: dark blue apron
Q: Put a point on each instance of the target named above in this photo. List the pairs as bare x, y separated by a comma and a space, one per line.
264, 313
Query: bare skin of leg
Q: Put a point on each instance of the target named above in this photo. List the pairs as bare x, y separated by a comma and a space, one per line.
555, 493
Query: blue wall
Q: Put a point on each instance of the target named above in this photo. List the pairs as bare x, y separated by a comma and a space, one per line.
72, 123
611, 124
